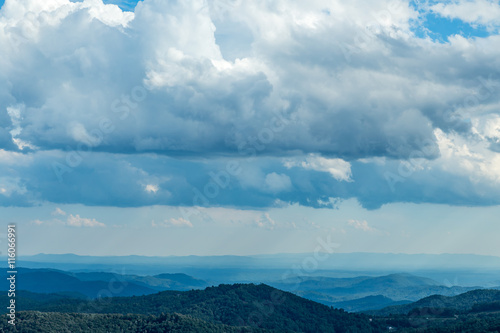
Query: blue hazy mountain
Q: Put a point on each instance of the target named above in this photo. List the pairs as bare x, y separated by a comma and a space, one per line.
352, 294
368, 303
367, 292
341, 261
96, 284
160, 282
53, 281
463, 302
447, 269
356, 281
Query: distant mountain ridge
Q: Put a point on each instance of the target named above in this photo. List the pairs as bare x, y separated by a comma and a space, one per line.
353, 294
448, 269
98, 284
160, 282
462, 302
356, 294
246, 309
244, 305
368, 261
368, 303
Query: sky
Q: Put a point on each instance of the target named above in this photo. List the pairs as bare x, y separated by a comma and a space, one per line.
215, 127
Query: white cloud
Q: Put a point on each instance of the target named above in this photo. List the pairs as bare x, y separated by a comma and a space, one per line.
489, 127
278, 182
360, 225
202, 96
338, 168
483, 12
11, 185
172, 222
58, 211
151, 188
10, 158
15, 117
471, 159
331, 202
110, 15
71, 220
385, 99
180, 222
77, 221
265, 221
32, 15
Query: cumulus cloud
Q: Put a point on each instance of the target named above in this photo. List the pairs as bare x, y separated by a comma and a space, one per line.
315, 100
172, 52
172, 222
338, 168
151, 188
278, 182
266, 222
360, 225
61, 218
477, 12
376, 182
77, 221
58, 211
10, 186
469, 159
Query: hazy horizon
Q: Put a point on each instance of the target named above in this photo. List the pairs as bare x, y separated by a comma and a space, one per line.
254, 255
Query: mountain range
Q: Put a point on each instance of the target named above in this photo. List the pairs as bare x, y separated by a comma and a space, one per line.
463, 302
447, 269
356, 294
97, 284
366, 292
242, 305
339, 261
247, 308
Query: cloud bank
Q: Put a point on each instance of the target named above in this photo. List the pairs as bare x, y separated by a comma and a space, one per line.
310, 102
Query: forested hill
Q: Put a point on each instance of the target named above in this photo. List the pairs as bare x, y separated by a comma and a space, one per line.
463, 302
236, 305
246, 308
35, 321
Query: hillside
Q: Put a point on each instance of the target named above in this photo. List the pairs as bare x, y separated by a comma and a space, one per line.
462, 302
337, 291
104, 323
368, 303
53, 281
366, 282
158, 282
352, 294
236, 305
93, 283
223, 309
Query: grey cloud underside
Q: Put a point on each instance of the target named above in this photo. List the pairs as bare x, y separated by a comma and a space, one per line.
118, 180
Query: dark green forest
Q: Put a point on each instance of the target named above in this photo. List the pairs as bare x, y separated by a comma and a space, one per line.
34, 321
246, 308
236, 305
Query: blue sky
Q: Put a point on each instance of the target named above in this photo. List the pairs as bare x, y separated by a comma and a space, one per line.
218, 125
439, 26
